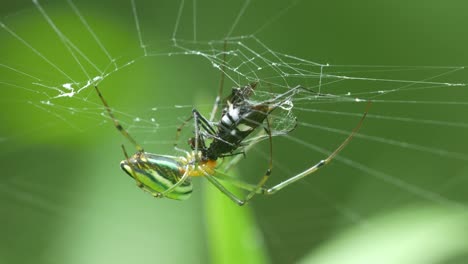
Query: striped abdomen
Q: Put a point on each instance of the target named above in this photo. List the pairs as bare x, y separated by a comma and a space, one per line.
158, 173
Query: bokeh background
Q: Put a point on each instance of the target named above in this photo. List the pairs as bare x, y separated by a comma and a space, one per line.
64, 199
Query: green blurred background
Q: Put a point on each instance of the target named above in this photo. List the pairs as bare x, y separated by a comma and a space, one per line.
64, 199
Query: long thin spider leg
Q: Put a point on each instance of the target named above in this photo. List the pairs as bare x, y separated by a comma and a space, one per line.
197, 133
265, 177
239, 183
138, 183
253, 189
178, 183
117, 123
281, 98
201, 122
223, 189
179, 130
233, 154
205, 124
262, 190
321, 163
221, 85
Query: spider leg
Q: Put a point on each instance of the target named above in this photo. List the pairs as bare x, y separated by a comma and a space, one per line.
178, 183
259, 189
117, 123
205, 124
267, 174
197, 134
201, 121
221, 85
321, 163
179, 130
223, 189
239, 183
253, 189
138, 183
130, 138
233, 154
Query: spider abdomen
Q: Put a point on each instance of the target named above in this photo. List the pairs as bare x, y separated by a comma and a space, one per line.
158, 173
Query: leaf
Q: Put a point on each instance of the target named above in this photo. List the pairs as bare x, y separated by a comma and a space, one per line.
416, 235
233, 234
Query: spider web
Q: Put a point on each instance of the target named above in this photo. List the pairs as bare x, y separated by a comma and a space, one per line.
155, 61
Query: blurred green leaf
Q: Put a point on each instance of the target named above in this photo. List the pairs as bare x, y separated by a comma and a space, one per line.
415, 235
232, 231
